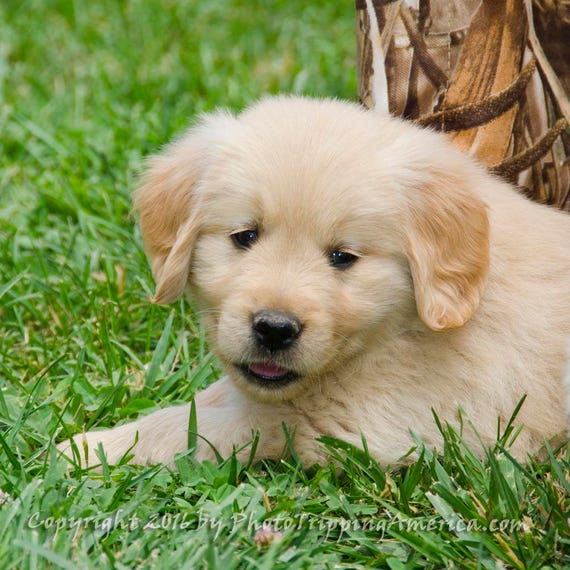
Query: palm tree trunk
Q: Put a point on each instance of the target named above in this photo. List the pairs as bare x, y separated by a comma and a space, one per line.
493, 74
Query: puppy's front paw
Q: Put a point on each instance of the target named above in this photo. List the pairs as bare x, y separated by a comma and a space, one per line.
87, 449
153, 439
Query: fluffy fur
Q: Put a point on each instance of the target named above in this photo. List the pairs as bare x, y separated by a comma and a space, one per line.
459, 298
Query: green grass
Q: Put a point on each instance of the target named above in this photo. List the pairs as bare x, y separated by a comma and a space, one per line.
87, 89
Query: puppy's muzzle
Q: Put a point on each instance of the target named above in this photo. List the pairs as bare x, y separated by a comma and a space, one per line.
275, 330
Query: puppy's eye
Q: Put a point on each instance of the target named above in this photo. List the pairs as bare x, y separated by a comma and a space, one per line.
245, 239
342, 259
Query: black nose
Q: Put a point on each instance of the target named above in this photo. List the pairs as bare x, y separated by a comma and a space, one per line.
275, 330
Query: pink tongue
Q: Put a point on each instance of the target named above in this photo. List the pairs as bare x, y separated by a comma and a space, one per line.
268, 370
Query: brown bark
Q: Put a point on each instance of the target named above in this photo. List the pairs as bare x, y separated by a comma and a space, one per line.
466, 66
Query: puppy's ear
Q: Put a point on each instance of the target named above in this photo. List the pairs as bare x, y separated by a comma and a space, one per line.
447, 242
168, 207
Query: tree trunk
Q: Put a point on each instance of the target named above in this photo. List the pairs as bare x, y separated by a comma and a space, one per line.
493, 74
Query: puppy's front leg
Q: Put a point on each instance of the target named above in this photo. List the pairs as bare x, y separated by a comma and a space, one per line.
226, 419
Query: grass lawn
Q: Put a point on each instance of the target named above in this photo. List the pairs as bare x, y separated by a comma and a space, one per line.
87, 89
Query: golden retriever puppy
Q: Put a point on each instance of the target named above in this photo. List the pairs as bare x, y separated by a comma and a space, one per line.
354, 273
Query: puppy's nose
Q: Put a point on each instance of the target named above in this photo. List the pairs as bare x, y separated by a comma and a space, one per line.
274, 329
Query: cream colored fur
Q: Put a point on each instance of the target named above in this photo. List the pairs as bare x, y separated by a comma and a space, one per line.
460, 298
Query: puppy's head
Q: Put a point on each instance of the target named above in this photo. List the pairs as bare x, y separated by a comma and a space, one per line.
306, 230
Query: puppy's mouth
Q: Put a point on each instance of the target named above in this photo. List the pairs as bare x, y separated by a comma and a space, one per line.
268, 374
